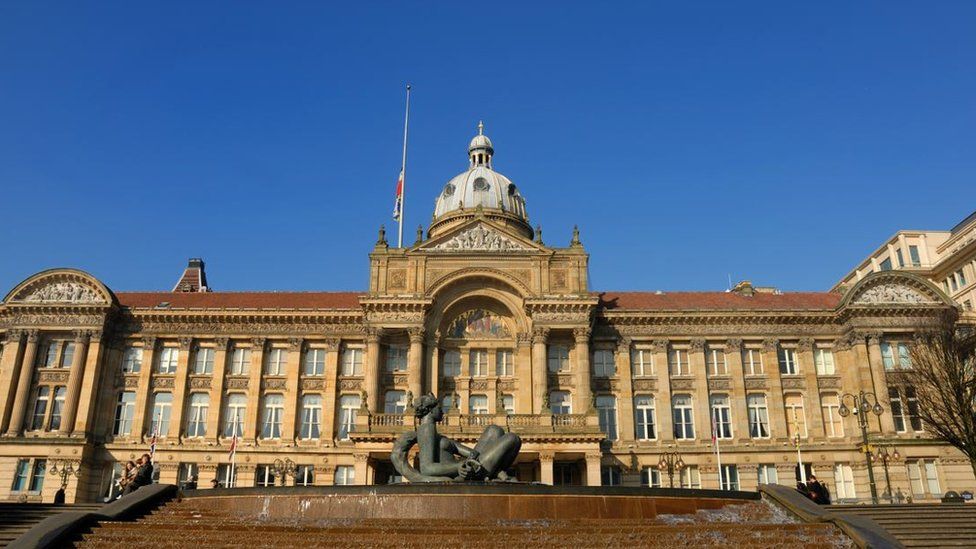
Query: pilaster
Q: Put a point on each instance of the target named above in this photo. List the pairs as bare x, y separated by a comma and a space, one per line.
584, 391
812, 404
879, 385
371, 381
662, 401
545, 467
10, 360
75, 378
179, 391
775, 403
143, 389
254, 389
217, 389
330, 392
415, 361
293, 397
540, 338
737, 398
89, 395
625, 392
702, 404
16, 426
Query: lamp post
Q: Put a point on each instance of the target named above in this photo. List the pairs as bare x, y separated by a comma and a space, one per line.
64, 469
284, 469
885, 457
670, 462
861, 405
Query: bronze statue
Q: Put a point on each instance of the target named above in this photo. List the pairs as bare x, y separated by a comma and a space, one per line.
494, 453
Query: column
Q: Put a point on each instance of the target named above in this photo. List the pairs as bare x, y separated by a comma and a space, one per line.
179, 391
625, 392
923, 250
774, 403
217, 389
904, 251
88, 396
371, 381
293, 396
142, 389
593, 468
539, 373
254, 389
9, 373
432, 377
702, 397
584, 391
545, 467
330, 392
812, 404
75, 376
361, 468
523, 371
879, 384
415, 361
737, 397
16, 426
662, 400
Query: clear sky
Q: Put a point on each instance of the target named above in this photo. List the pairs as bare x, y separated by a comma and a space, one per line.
775, 141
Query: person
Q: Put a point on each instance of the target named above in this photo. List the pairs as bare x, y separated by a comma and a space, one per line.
191, 483
143, 474
127, 478
802, 488
215, 483
818, 491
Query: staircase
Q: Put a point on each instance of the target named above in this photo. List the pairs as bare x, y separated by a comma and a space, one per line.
17, 518
922, 524
190, 523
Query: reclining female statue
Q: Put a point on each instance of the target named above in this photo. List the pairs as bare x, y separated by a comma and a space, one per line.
494, 453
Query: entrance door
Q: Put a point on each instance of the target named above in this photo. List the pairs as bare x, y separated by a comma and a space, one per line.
566, 473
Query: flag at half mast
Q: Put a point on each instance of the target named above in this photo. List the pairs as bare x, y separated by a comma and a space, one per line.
398, 204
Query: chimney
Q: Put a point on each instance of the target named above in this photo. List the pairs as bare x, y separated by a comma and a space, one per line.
743, 288
194, 278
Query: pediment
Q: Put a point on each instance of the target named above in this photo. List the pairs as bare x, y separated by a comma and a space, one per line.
893, 288
479, 236
60, 287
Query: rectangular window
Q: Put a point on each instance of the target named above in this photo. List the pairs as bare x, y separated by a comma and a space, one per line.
240, 361
196, 421
57, 408
886, 264
132, 360
41, 401
162, 407
305, 475
844, 481
796, 423
504, 363
352, 361
904, 357
901, 258
825, 361
787, 361
396, 358
833, 424
752, 362
603, 363
609, 476
887, 357
21, 475
678, 362
275, 361
606, 408
683, 417
345, 475
651, 477
452, 364
715, 358
311, 417
961, 277
264, 476
274, 411
187, 473
932, 478
559, 402
314, 362
767, 474
913, 255
691, 477
924, 478
897, 410
203, 361
226, 475
558, 358
721, 417
642, 362
478, 405
50, 357
758, 416
952, 283
124, 410
645, 419
235, 410
478, 362
348, 407
730, 477
911, 401
37, 475
508, 404
68, 355
395, 402
168, 360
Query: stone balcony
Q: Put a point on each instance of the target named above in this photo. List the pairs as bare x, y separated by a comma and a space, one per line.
531, 427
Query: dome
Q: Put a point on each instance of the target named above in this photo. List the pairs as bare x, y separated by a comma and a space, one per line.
480, 142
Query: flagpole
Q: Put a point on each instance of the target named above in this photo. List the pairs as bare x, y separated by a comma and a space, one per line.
403, 172
718, 452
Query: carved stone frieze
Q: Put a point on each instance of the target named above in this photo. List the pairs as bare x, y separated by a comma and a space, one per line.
755, 383
523, 339
60, 292
397, 279
720, 384
350, 384
53, 376
479, 385
829, 382
313, 384
22, 318
560, 317
479, 237
890, 293
733, 345
697, 345
161, 382
682, 384
561, 380
649, 385
237, 382
274, 383
200, 382
130, 381
793, 383
507, 385
557, 280
770, 344
604, 384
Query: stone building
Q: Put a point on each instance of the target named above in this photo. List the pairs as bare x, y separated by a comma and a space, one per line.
497, 322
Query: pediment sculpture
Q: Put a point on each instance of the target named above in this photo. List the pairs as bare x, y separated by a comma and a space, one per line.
479, 238
478, 324
891, 293
62, 292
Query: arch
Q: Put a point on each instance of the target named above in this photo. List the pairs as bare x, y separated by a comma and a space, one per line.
515, 285
61, 286
475, 291
894, 288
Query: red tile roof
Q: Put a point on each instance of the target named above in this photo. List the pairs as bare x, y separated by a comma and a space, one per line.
705, 301
242, 300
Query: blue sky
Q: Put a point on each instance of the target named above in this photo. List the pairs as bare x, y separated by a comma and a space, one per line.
775, 141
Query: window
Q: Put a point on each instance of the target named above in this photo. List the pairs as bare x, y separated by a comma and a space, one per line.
352, 361
960, 276
642, 362
952, 282
447, 403
274, 410
40, 408
478, 405
37, 475
911, 399
795, 420
168, 359
758, 416
651, 477
226, 475
645, 418
21, 475
234, 413
767, 474
729, 479
609, 476
67, 355
901, 258
752, 362
558, 357
886, 264
684, 419
264, 476
824, 359
50, 358
904, 358
715, 359
478, 362
162, 406
787, 361
833, 424
203, 361
559, 402
345, 475
124, 410
395, 402
678, 362
606, 408
240, 361
504, 363
396, 358
187, 472
913, 255
844, 481
276, 362
132, 360
348, 406
314, 362
196, 421
305, 475
311, 417
690, 477
452, 364
603, 364
58, 408
897, 410
508, 404
721, 417
924, 478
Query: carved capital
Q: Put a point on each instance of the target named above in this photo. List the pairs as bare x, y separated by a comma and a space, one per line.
95, 336
697, 345
770, 344
361, 458
32, 336
14, 336
805, 344
842, 344
332, 343
733, 345
523, 340
661, 345
373, 334
80, 336
149, 343
582, 334
592, 456
623, 345
540, 335
874, 338
185, 343
547, 456
221, 343
258, 343
295, 344
416, 335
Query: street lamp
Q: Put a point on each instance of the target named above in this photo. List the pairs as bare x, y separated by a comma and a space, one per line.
64, 469
284, 469
885, 457
861, 406
671, 462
